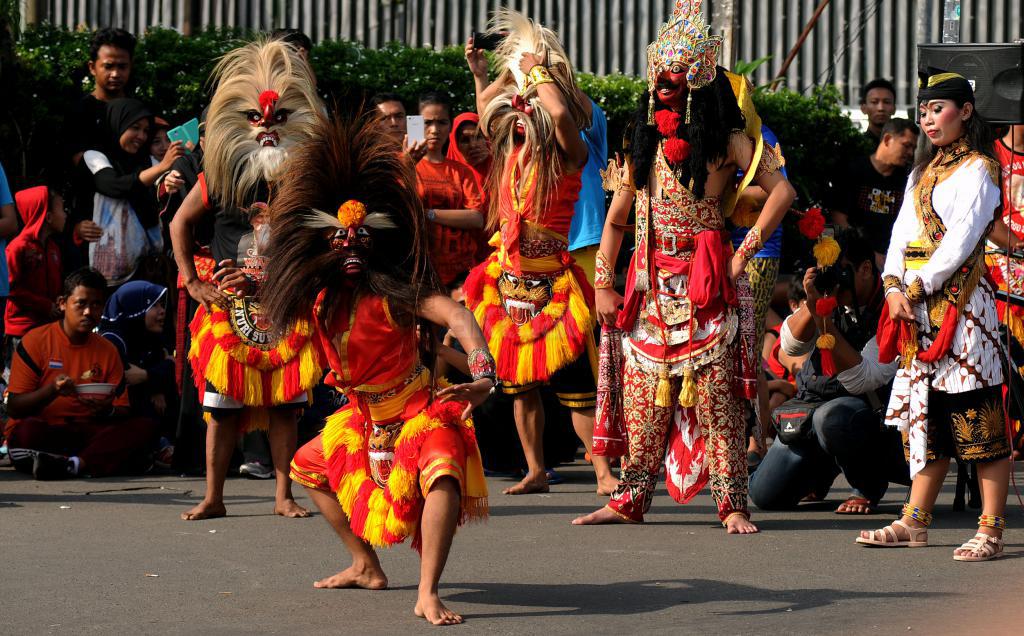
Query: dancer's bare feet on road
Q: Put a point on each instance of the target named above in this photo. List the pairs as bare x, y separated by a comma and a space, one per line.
533, 482
607, 485
603, 515
205, 510
430, 607
738, 524
367, 577
288, 508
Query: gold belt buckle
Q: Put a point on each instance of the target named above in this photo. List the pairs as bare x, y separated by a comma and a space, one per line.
675, 245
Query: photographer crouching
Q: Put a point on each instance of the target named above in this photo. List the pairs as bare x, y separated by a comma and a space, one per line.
834, 423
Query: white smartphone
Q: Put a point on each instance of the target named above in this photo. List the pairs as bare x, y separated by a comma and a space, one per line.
415, 129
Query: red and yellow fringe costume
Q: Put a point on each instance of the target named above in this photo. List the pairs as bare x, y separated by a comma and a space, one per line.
376, 362
557, 335
258, 377
532, 246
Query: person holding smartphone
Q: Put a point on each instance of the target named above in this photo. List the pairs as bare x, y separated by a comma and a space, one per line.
450, 195
394, 122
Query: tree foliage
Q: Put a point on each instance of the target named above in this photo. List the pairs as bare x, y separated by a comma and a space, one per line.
171, 75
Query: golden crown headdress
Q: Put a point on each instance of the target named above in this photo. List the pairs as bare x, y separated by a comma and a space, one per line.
685, 38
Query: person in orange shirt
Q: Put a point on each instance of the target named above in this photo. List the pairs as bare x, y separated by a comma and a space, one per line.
59, 431
450, 194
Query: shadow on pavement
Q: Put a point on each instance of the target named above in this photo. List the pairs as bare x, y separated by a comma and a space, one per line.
642, 597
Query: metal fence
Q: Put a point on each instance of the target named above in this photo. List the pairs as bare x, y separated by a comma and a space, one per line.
853, 42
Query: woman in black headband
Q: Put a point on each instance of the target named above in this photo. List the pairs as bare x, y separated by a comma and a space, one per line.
942, 322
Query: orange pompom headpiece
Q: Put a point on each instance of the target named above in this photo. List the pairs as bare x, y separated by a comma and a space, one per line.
352, 213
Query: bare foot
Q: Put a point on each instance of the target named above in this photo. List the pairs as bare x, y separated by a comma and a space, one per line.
530, 484
739, 524
367, 577
607, 485
430, 607
288, 508
854, 506
603, 515
205, 510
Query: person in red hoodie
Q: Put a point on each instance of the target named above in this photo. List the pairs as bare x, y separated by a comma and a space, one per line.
34, 263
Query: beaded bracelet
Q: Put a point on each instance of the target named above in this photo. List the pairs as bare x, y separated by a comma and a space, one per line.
917, 514
992, 521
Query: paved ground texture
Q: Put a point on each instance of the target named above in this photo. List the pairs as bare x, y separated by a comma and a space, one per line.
110, 556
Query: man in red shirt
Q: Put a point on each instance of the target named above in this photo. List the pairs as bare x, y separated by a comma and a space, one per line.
58, 429
450, 194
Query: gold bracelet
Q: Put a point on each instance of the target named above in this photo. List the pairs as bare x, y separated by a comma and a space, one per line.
751, 244
915, 291
892, 282
604, 275
540, 75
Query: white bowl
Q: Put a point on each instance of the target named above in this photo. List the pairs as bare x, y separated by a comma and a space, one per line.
95, 388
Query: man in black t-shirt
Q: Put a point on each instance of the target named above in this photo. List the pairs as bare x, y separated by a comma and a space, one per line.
869, 192
111, 52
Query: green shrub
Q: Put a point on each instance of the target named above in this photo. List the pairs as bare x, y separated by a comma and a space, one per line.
171, 74
817, 138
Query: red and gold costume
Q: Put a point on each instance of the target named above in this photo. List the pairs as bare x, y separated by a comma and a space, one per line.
531, 299
265, 103
689, 332
383, 451
1008, 273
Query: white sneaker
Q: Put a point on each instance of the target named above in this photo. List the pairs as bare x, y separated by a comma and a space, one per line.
255, 470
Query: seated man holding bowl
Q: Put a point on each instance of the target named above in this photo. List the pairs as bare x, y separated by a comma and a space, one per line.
66, 398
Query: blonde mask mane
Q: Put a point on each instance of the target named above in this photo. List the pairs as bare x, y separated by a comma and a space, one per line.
234, 160
539, 147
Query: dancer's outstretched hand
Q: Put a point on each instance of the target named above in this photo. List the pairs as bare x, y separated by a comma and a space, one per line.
474, 393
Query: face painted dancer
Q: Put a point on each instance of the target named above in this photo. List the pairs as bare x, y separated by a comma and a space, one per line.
688, 312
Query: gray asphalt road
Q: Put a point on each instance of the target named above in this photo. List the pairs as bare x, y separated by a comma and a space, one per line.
111, 556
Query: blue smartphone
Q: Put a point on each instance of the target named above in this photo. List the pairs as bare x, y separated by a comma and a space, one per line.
187, 133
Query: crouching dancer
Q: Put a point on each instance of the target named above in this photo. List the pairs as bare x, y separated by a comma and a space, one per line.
348, 249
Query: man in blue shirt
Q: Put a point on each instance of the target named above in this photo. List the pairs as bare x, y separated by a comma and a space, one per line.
8, 230
588, 218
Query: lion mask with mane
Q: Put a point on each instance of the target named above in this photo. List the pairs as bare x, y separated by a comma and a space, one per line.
264, 104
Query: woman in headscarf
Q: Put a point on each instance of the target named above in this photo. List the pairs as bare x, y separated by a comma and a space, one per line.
467, 145
133, 321
116, 203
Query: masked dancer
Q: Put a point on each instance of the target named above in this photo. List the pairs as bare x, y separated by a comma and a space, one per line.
348, 253
685, 373
265, 102
531, 299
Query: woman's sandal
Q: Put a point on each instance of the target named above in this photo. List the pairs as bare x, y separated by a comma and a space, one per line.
983, 547
888, 538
